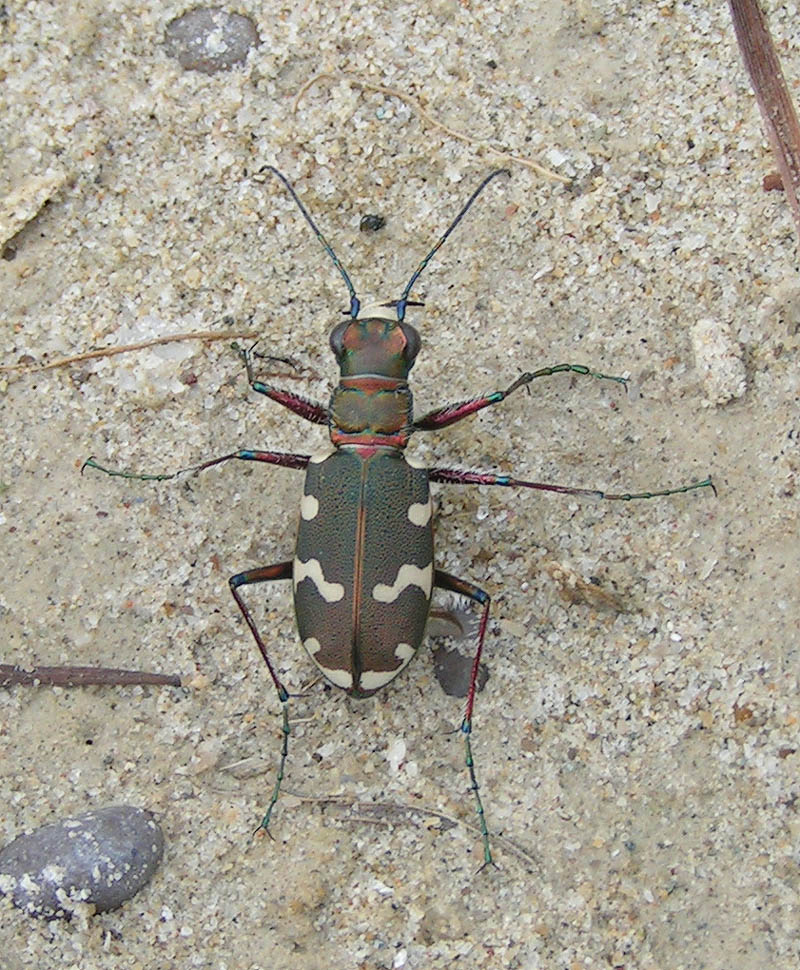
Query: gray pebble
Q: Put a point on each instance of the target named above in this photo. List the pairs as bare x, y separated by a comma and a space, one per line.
209, 39
371, 223
102, 857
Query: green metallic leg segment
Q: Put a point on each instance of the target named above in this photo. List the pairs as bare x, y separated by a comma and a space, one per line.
450, 413
444, 580
266, 574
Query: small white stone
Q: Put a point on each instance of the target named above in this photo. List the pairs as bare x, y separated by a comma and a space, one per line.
719, 359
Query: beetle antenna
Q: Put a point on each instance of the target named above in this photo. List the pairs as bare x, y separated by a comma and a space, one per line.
402, 303
355, 304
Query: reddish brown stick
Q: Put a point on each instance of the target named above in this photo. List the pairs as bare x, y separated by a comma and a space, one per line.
777, 109
11, 676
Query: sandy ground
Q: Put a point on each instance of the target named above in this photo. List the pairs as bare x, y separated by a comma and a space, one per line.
637, 740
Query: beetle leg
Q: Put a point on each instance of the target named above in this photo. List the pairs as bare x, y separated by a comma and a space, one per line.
447, 582
309, 410
296, 403
454, 476
450, 413
266, 574
282, 458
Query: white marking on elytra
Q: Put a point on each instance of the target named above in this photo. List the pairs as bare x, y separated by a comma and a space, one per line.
419, 513
407, 575
330, 592
373, 679
341, 678
320, 456
309, 507
404, 652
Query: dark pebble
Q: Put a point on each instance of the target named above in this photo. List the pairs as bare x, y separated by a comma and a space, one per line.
371, 223
102, 857
209, 39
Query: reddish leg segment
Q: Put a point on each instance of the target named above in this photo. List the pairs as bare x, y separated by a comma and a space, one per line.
309, 410
296, 403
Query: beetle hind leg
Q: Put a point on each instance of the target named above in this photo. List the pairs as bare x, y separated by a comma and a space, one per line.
445, 581
267, 574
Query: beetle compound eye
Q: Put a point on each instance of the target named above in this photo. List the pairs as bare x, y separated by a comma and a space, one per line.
336, 339
413, 342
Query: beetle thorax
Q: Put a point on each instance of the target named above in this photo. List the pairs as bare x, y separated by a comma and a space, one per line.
371, 410
372, 405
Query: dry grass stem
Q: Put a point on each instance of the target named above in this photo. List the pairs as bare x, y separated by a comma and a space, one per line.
209, 336
772, 94
12, 675
390, 813
414, 104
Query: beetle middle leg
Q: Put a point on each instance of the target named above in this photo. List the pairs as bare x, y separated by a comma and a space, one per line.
283, 458
454, 476
452, 584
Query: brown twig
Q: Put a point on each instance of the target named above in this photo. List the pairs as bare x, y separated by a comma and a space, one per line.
415, 105
12, 675
209, 336
777, 110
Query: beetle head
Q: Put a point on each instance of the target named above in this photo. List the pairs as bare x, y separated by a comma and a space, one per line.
375, 342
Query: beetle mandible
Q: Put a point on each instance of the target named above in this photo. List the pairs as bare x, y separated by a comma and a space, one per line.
363, 571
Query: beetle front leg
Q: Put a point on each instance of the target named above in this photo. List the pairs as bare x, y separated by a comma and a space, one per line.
445, 581
450, 413
266, 574
295, 403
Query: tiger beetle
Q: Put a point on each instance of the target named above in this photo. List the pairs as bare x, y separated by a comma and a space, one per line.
363, 570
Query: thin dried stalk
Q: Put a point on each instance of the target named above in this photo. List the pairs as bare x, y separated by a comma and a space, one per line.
772, 94
207, 336
415, 105
12, 675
